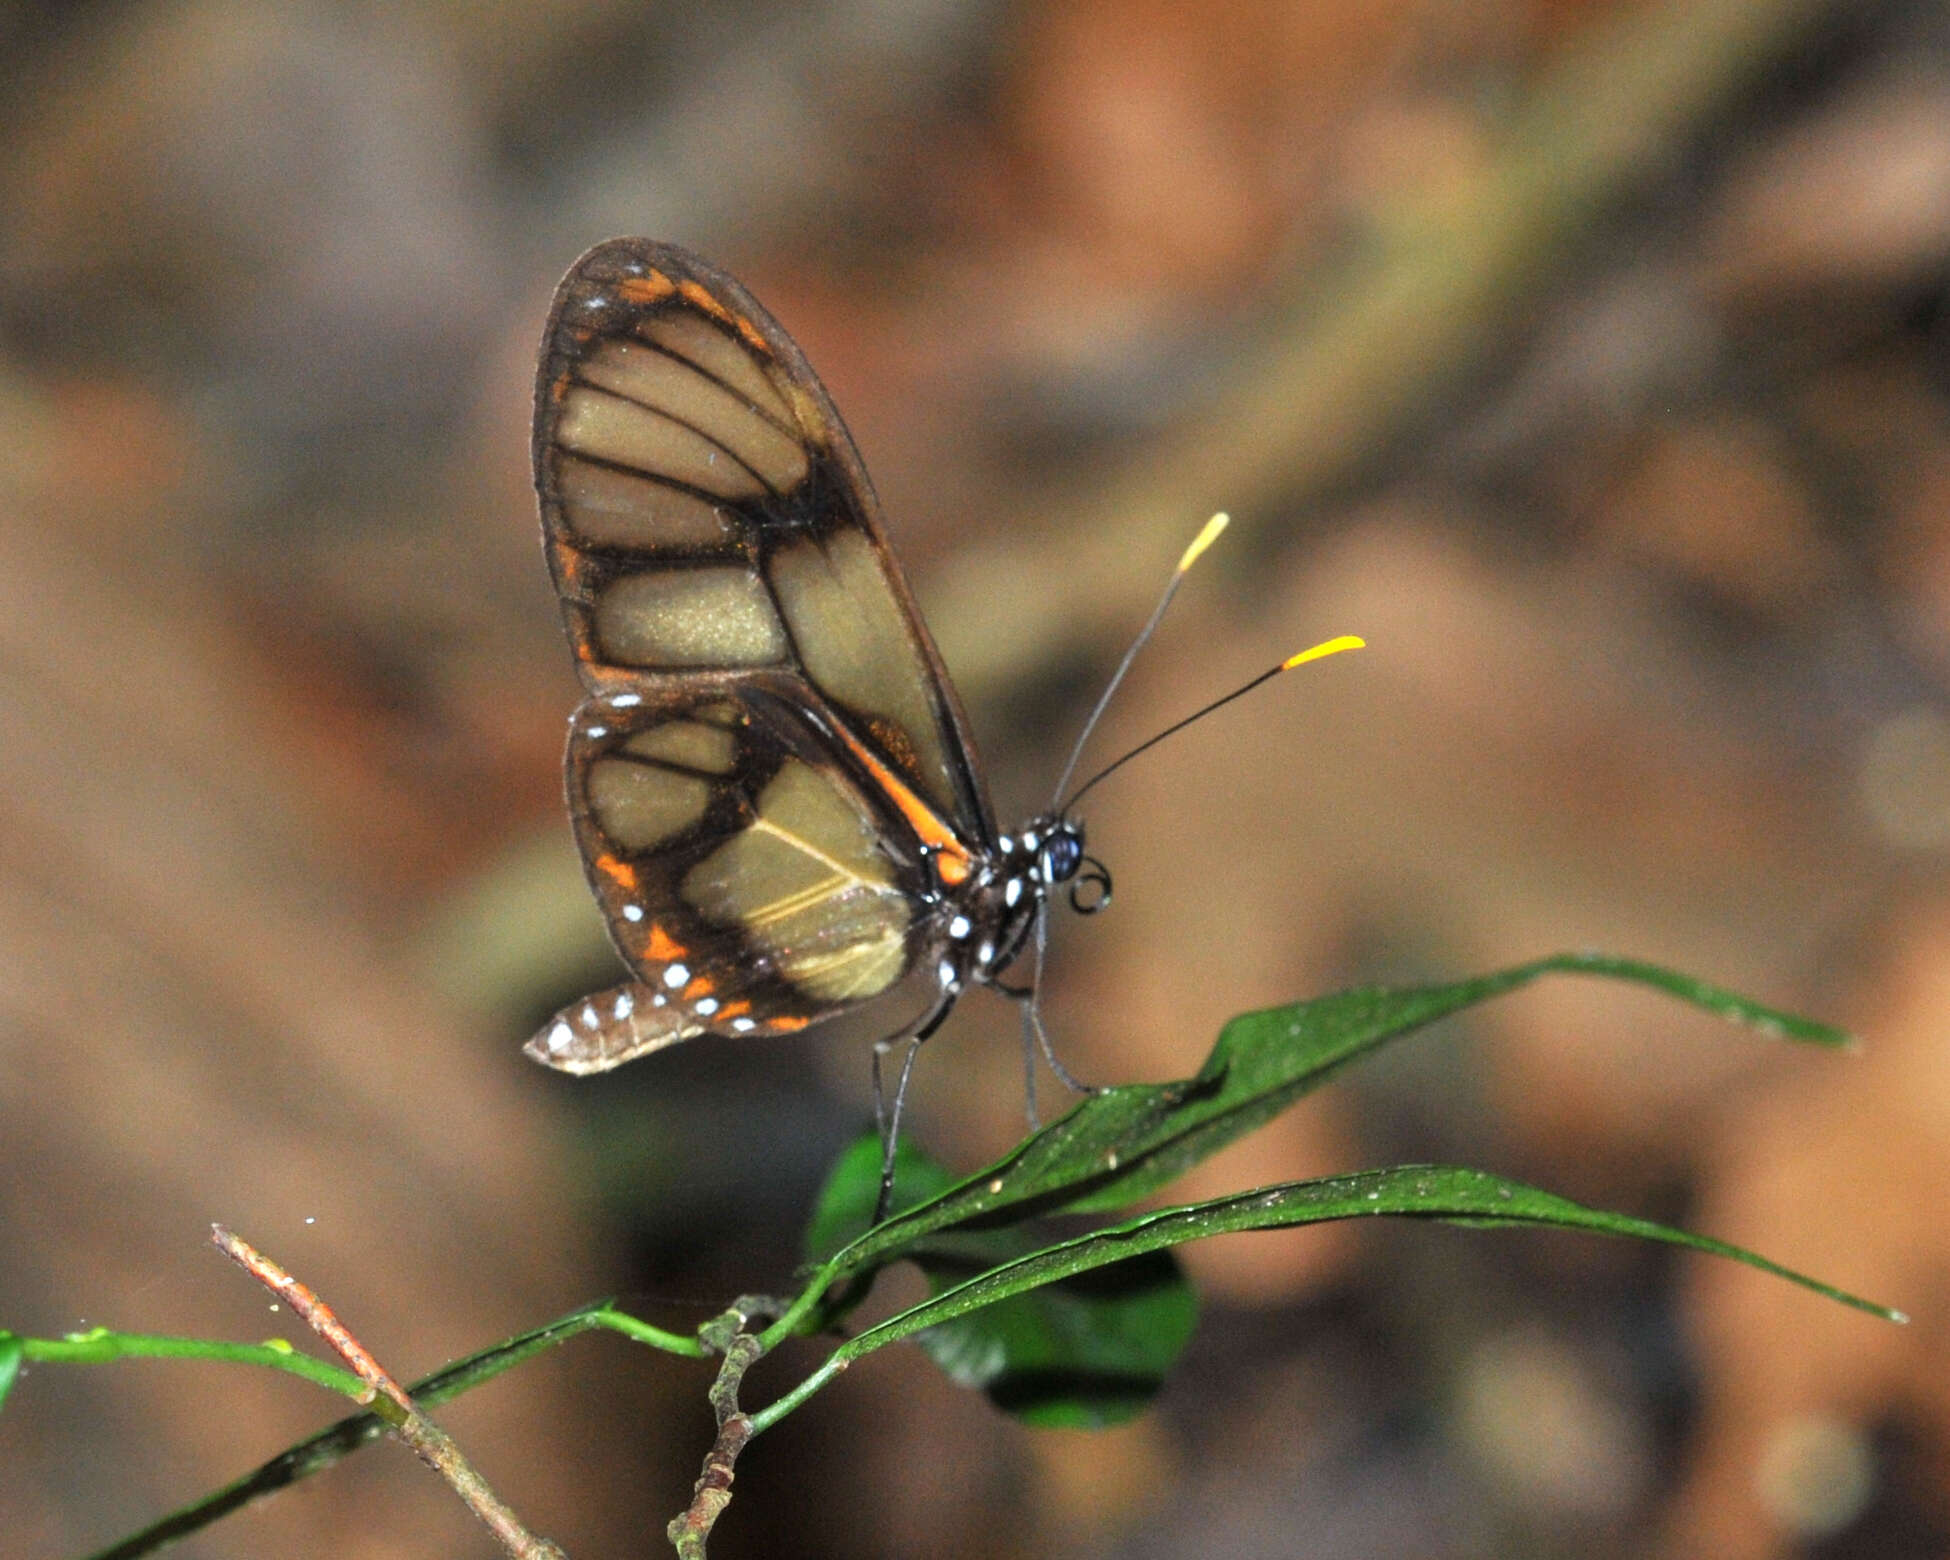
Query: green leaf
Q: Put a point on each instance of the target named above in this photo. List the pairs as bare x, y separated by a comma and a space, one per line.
1087, 1351
1471, 1197
11, 1350
1118, 1146
845, 1203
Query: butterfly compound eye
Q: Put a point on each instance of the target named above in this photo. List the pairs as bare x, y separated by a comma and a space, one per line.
1062, 854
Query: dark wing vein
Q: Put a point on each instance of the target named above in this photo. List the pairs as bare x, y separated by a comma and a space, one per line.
688, 426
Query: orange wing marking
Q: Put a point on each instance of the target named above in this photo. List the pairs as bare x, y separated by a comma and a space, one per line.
952, 863
700, 296
653, 288
618, 871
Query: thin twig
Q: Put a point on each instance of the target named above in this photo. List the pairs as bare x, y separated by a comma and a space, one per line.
389, 1400
727, 1335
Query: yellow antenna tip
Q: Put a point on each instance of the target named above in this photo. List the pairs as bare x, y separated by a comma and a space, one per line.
1331, 647
1208, 534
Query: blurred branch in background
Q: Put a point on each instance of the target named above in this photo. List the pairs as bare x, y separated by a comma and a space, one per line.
1369, 350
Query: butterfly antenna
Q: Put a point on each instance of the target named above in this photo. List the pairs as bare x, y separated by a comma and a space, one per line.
1208, 534
1317, 652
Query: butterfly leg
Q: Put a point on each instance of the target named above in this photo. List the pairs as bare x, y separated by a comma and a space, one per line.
1034, 1035
886, 1120
1028, 1001
890, 1139
1025, 998
880, 1049
1036, 1038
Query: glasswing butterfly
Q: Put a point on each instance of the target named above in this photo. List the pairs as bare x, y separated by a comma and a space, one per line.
772, 782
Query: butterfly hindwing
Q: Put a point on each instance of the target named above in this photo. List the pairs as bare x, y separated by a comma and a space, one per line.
753, 881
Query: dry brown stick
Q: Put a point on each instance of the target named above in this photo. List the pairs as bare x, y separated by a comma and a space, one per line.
389, 1400
689, 1531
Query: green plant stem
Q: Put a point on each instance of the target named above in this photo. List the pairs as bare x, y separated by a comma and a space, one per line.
773, 1412
101, 1346
642, 1332
800, 1308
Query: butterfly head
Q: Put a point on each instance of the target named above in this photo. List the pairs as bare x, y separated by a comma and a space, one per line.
1049, 852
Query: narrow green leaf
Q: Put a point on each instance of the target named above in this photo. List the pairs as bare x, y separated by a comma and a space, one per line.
10, 1353
1471, 1197
1088, 1351
1118, 1146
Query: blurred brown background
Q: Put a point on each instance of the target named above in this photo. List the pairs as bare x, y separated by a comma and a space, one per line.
1590, 358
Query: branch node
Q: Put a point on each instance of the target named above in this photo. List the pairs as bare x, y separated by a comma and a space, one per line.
725, 1334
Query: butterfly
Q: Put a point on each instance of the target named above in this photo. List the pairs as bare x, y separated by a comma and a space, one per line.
772, 782
773, 786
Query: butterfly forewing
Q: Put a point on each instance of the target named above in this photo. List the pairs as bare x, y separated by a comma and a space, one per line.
771, 775
705, 508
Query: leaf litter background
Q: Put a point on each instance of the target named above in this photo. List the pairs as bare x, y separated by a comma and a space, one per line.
1591, 359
